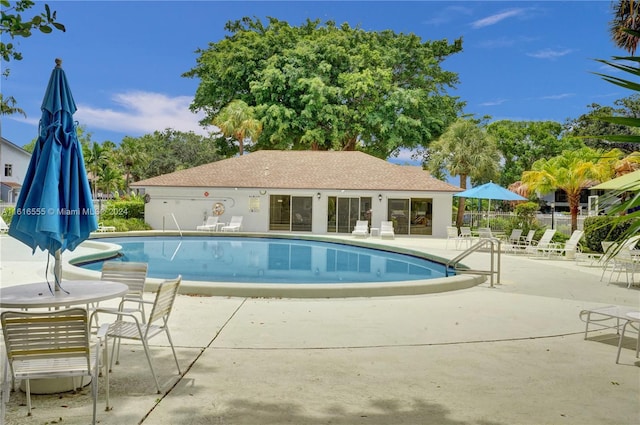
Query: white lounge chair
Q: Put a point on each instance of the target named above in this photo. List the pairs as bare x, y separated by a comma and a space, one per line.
568, 249
465, 236
235, 225
513, 240
540, 246
386, 230
102, 228
361, 229
3, 226
210, 225
484, 233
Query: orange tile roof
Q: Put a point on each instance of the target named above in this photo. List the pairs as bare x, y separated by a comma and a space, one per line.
348, 170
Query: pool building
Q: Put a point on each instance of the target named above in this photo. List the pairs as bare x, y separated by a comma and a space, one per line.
317, 192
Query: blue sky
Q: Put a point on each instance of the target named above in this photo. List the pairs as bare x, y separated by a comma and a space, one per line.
520, 61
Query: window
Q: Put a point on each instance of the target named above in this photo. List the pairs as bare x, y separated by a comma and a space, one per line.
342, 213
290, 213
411, 216
8, 170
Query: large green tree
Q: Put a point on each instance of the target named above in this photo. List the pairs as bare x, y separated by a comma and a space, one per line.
572, 171
464, 150
326, 86
521, 143
597, 133
169, 151
14, 24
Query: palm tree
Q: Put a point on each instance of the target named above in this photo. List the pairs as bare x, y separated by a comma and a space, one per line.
571, 172
464, 150
626, 16
236, 120
131, 155
96, 160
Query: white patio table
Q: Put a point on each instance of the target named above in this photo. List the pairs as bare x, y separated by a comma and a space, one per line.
37, 295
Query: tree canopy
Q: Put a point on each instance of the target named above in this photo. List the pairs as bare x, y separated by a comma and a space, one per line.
524, 142
324, 86
15, 24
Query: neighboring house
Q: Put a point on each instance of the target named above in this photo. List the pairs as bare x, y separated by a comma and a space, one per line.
14, 161
321, 192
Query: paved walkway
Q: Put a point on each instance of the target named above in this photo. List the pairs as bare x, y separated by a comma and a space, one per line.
513, 354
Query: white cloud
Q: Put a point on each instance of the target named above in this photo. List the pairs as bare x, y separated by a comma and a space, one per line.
141, 112
549, 53
494, 19
493, 102
558, 96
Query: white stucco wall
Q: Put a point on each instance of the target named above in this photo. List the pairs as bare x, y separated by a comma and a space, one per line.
190, 206
19, 160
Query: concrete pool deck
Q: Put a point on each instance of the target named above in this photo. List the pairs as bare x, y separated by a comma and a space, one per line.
512, 354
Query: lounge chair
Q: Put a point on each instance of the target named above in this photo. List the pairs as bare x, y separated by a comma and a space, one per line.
537, 247
386, 230
484, 233
210, 225
3, 226
235, 225
568, 249
102, 228
361, 229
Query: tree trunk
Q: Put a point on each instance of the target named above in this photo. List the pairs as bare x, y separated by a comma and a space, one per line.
461, 201
574, 205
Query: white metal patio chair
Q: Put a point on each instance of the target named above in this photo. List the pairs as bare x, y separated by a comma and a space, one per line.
132, 274
568, 249
52, 344
133, 329
452, 234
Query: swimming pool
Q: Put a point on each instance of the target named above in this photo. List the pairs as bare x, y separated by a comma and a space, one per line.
270, 260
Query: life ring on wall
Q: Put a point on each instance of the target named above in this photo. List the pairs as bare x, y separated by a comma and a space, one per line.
218, 209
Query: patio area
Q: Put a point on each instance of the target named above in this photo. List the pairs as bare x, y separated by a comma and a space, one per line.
513, 354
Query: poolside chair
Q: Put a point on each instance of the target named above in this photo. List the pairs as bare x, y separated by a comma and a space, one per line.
568, 249
361, 229
3, 226
386, 230
513, 240
536, 247
622, 259
102, 228
484, 233
132, 274
210, 225
157, 323
465, 236
52, 344
235, 225
452, 233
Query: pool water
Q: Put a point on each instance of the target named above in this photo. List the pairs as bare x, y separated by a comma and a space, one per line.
269, 260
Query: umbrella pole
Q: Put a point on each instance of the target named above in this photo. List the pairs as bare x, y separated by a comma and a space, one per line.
57, 270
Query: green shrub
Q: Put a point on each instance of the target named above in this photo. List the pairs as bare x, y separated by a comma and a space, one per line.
604, 228
7, 214
123, 208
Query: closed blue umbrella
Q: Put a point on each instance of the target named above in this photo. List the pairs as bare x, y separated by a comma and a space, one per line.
55, 210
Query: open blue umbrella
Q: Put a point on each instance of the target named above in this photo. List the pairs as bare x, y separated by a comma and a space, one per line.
55, 209
490, 191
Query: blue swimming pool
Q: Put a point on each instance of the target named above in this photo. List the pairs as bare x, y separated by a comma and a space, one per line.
270, 260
